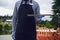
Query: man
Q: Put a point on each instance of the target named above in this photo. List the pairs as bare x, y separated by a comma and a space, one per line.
36, 11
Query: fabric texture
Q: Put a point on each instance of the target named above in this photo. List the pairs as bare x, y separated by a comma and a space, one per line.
25, 29
36, 10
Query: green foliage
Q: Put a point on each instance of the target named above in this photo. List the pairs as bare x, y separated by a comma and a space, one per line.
56, 9
41, 24
55, 6
38, 24
1, 27
5, 28
55, 27
48, 24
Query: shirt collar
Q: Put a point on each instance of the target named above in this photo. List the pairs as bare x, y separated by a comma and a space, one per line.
28, 3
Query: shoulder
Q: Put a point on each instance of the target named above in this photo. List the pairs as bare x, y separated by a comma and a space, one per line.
17, 3
35, 3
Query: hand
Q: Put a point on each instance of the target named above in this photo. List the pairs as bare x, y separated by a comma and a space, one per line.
13, 35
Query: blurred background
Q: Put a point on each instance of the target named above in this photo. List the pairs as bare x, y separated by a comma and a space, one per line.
49, 10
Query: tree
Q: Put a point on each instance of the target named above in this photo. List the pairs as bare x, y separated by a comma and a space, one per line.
56, 10
1, 27
48, 24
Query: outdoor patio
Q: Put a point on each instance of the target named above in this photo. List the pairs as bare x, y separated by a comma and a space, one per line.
5, 37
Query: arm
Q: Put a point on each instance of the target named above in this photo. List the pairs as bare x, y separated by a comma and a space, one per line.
14, 19
38, 17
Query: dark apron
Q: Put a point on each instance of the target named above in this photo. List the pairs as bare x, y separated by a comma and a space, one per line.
26, 27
